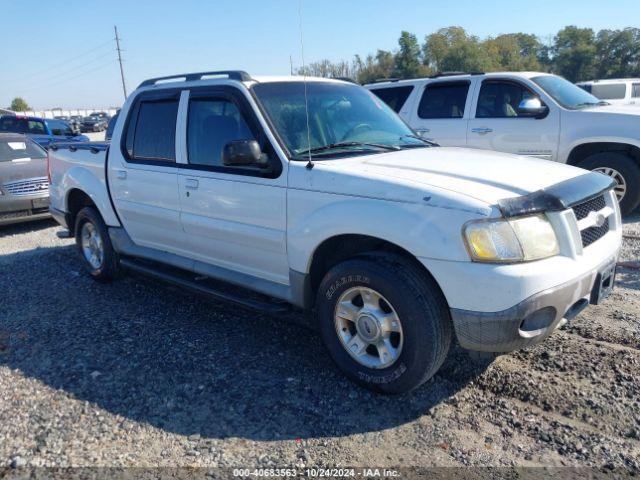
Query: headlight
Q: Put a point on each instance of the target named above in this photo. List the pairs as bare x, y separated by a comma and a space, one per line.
511, 240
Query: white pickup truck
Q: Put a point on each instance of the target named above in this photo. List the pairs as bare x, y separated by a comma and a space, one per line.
315, 193
527, 113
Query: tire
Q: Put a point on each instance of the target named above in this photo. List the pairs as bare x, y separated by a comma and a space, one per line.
626, 167
106, 266
422, 311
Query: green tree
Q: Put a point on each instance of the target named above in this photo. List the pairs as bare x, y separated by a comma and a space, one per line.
515, 51
374, 67
407, 60
574, 53
452, 49
18, 104
618, 53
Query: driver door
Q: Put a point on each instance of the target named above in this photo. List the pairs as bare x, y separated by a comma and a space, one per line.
496, 124
233, 217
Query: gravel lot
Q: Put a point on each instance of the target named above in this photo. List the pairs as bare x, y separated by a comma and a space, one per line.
136, 373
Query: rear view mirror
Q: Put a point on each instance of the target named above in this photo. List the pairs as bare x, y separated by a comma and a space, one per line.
243, 153
532, 107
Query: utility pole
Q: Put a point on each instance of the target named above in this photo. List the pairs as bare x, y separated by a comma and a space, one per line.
124, 87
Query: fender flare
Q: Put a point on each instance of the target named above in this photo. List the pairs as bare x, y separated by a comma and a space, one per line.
79, 178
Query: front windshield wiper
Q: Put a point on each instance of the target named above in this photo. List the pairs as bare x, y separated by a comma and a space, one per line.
332, 146
431, 143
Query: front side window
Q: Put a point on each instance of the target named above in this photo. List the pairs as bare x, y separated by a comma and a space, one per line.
395, 97
343, 119
444, 100
501, 99
211, 124
36, 127
565, 93
609, 91
635, 92
151, 133
59, 127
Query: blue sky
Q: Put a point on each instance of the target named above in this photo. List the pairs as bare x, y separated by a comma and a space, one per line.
60, 53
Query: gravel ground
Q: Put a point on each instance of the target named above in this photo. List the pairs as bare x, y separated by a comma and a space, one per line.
136, 373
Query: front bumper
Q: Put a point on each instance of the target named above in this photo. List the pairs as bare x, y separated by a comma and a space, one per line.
530, 321
14, 210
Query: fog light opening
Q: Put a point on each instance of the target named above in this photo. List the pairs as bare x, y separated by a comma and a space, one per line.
576, 308
535, 323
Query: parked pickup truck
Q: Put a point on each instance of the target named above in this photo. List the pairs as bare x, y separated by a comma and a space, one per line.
527, 113
315, 193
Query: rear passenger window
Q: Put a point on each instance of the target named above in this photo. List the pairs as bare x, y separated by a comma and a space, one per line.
443, 100
393, 96
151, 135
635, 92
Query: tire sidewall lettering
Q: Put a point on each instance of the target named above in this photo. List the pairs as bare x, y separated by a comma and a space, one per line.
345, 280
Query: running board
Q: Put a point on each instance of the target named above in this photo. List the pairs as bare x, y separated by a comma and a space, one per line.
160, 273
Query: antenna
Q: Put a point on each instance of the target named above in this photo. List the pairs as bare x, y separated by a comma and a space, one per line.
304, 79
124, 88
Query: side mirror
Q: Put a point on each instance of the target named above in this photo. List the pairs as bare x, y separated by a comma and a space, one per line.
243, 153
532, 107
57, 132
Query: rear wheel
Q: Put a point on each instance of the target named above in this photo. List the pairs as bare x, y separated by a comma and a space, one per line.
624, 171
94, 245
384, 322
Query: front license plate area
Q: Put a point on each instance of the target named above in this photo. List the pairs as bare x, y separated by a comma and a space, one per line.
603, 285
40, 202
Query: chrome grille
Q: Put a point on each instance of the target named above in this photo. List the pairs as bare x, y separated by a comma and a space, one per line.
582, 210
30, 186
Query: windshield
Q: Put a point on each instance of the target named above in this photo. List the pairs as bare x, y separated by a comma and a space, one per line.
343, 118
18, 149
566, 93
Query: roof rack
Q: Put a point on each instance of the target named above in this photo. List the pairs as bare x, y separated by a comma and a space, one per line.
238, 75
391, 79
451, 74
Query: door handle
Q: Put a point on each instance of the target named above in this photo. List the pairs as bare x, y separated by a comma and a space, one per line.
191, 183
121, 174
420, 131
482, 130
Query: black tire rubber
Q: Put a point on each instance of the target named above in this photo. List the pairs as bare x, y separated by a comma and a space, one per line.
628, 168
420, 304
110, 267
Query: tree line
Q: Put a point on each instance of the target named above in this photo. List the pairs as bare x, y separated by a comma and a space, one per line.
574, 53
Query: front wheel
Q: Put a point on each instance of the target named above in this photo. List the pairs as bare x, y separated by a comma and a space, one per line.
94, 245
624, 171
384, 322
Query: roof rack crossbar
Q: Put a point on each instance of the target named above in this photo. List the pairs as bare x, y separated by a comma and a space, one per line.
238, 75
451, 74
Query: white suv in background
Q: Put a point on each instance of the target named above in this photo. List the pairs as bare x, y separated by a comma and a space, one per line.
526, 113
617, 91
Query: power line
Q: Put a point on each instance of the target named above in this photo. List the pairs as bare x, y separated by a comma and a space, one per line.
67, 72
69, 60
110, 62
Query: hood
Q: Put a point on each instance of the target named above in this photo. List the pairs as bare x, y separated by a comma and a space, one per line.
617, 109
11, 171
483, 175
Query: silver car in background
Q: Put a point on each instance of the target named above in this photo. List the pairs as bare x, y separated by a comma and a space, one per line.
24, 186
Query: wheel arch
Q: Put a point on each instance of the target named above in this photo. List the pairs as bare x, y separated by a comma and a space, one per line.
339, 248
584, 150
